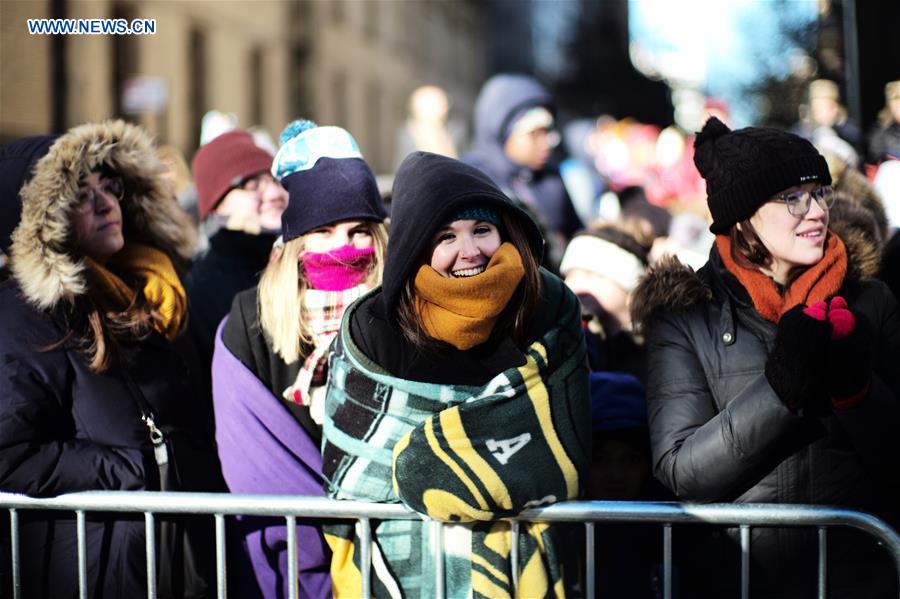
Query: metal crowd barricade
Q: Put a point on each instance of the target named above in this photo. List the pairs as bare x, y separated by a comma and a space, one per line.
744, 516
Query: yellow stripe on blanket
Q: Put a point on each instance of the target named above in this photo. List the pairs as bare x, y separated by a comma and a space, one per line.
499, 539
437, 508
540, 400
346, 579
482, 586
459, 442
499, 575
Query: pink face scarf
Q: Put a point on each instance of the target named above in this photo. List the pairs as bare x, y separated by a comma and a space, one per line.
339, 269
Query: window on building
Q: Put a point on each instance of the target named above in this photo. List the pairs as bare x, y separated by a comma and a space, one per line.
257, 87
124, 59
196, 81
337, 10
370, 18
339, 100
374, 151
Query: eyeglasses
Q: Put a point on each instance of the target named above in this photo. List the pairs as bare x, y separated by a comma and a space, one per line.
799, 202
86, 200
257, 183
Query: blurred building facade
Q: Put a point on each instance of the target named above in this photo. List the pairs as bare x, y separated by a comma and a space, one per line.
346, 62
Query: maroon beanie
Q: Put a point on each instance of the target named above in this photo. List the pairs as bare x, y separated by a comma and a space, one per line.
222, 164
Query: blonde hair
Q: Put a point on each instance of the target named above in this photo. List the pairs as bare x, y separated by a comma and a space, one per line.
280, 312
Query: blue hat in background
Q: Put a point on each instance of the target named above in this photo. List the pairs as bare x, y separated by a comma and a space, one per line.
617, 402
326, 178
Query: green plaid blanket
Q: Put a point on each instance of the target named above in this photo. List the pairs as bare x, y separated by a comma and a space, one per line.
459, 454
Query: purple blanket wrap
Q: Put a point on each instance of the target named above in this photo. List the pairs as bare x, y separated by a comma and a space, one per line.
264, 450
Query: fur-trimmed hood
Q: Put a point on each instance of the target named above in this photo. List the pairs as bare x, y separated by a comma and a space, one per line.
41, 257
669, 284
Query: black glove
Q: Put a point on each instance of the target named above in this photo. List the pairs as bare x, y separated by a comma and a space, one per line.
795, 368
849, 353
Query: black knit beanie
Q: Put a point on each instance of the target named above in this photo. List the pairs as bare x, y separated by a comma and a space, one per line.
744, 168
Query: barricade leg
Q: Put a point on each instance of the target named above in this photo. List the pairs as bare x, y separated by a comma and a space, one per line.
590, 583
292, 556
823, 558
14, 553
82, 555
667, 561
221, 578
745, 562
365, 556
514, 554
150, 546
437, 530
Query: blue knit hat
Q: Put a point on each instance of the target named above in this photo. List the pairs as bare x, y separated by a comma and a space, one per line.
476, 213
326, 178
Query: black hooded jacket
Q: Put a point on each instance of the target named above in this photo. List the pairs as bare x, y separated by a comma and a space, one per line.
721, 434
233, 263
428, 189
501, 99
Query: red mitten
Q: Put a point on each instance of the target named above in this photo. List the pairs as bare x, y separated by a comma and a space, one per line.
849, 355
843, 323
818, 310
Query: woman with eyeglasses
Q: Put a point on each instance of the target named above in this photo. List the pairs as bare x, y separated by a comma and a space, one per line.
772, 372
100, 389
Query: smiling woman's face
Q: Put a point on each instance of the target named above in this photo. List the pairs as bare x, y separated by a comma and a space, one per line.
97, 218
792, 240
463, 248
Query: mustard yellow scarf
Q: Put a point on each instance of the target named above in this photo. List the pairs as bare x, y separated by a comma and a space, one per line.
162, 287
463, 312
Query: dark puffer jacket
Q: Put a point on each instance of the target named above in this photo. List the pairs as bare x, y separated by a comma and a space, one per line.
65, 428
720, 433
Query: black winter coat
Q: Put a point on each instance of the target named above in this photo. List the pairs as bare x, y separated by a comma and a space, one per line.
720, 433
232, 264
65, 428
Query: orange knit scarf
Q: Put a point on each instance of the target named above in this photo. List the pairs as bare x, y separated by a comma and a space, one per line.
463, 312
819, 282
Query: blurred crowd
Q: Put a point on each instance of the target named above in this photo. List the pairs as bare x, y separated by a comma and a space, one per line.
273, 318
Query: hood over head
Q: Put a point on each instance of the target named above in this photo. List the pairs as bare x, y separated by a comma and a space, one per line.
502, 98
428, 189
42, 261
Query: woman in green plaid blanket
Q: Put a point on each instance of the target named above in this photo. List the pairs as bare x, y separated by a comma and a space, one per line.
459, 388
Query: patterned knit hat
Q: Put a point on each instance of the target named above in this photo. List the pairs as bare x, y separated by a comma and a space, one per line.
223, 164
326, 178
744, 168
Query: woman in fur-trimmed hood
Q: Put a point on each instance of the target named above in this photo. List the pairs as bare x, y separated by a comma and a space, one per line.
770, 374
93, 319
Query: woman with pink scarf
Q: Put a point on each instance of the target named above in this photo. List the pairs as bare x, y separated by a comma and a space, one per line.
270, 362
